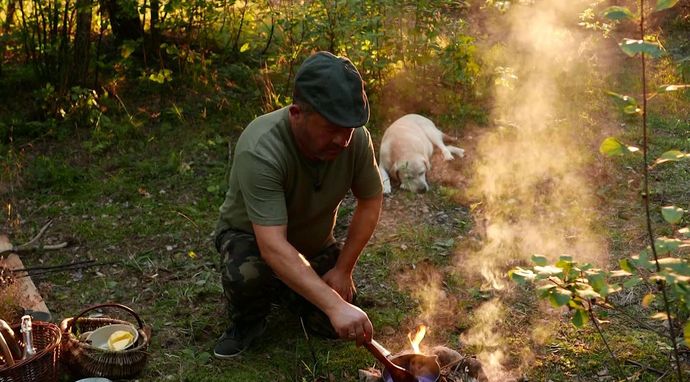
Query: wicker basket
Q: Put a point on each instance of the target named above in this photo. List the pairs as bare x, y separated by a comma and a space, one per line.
84, 360
44, 366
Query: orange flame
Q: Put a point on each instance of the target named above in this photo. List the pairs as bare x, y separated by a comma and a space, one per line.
418, 337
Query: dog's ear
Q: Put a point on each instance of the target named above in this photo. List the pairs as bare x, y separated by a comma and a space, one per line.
396, 170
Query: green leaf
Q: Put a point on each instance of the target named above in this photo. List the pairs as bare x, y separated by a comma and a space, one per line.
128, 47
559, 297
598, 283
671, 156
664, 4
632, 282
666, 245
612, 147
633, 47
580, 318
617, 13
244, 47
622, 99
672, 214
520, 275
631, 109
626, 266
686, 334
539, 260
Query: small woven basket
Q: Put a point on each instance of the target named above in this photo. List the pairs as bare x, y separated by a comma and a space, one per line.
84, 360
44, 366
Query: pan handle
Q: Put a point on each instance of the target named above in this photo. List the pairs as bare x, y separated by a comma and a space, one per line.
385, 352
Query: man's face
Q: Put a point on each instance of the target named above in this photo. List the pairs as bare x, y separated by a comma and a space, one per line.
316, 137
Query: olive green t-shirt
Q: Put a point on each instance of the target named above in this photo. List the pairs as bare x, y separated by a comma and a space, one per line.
272, 183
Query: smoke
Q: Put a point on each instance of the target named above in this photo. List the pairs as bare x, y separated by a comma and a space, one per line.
532, 172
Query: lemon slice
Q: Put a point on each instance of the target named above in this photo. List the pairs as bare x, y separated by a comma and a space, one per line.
119, 340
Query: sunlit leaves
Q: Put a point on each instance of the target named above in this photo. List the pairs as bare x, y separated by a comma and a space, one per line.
244, 47
686, 333
633, 47
664, 4
618, 13
128, 47
613, 147
672, 214
627, 103
685, 232
559, 296
671, 156
672, 88
521, 275
161, 76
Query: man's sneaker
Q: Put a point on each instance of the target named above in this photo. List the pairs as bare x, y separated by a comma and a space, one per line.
237, 339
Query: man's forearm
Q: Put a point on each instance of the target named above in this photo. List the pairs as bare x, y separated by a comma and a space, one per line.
293, 269
363, 223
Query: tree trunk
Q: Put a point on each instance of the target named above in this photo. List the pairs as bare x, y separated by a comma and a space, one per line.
124, 19
82, 43
11, 8
155, 31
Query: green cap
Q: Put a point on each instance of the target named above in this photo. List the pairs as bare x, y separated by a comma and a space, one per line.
333, 87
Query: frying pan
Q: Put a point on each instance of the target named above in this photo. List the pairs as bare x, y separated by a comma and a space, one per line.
406, 367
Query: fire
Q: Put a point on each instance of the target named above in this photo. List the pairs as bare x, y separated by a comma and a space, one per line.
418, 337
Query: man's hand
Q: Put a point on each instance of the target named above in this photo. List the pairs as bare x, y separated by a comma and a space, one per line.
351, 323
341, 282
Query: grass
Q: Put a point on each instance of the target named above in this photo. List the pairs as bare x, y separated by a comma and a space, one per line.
143, 193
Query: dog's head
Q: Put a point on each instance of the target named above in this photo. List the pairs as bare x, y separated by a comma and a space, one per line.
411, 173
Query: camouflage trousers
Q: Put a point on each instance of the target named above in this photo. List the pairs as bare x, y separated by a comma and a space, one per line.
250, 286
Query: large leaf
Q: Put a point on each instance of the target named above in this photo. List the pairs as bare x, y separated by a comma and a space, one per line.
539, 260
672, 214
612, 147
623, 100
633, 47
686, 334
632, 282
580, 318
559, 297
671, 156
664, 4
666, 245
618, 13
521, 275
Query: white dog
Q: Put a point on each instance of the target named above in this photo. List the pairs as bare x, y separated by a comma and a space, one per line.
406, 150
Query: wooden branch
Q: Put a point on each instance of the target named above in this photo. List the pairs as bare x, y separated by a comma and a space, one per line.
29, 246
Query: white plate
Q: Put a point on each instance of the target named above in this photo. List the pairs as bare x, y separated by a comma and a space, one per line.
99, 337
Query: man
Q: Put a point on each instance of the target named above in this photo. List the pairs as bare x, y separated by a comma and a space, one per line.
291, 169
